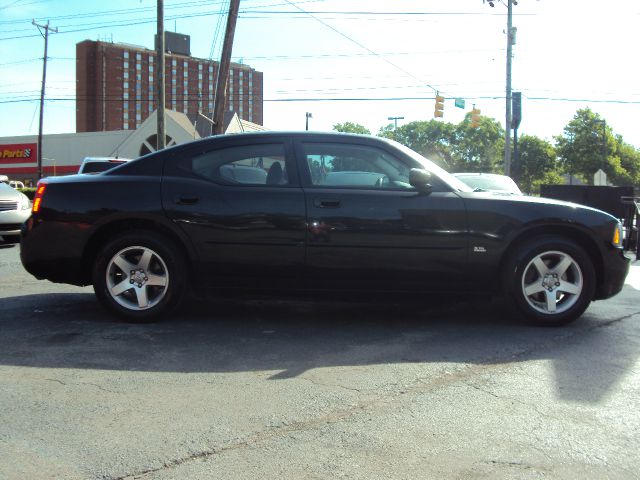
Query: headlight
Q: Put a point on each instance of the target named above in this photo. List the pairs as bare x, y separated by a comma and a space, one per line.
23, 203
617, 237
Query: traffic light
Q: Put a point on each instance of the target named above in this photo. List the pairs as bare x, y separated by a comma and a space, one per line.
439, 110
516, 108
475, 117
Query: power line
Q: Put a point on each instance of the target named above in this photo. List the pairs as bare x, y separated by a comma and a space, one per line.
128, 12
362, 46
344, 99
217, 34
100, 25
351, 55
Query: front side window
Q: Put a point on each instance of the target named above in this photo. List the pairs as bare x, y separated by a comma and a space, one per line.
242, 165
355, 166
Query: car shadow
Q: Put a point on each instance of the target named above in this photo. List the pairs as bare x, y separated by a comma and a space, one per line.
287, 338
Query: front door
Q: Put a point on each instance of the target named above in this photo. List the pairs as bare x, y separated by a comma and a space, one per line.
370, 229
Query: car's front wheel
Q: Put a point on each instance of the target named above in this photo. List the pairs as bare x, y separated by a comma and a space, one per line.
550, 280
140, 276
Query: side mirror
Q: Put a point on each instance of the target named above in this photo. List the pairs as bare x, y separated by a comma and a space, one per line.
420, 180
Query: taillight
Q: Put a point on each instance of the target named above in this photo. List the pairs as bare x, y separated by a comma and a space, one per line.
37, 199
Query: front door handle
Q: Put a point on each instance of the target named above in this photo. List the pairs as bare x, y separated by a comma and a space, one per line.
186, 199
326, 202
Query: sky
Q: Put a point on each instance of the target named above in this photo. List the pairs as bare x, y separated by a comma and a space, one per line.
360, 61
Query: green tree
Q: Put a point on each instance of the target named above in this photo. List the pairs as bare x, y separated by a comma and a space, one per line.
350, 127
537, 164
586, 146
625, 163
478, 149
432, 139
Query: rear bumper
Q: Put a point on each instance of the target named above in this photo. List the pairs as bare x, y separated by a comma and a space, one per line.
47, 255
616, 268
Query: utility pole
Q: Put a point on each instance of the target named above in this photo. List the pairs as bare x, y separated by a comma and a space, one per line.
510, 41
308, 115
44, 82
223, 72
160, 80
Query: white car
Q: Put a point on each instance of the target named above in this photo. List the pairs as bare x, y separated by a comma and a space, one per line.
100, 164
15, 209
489, 182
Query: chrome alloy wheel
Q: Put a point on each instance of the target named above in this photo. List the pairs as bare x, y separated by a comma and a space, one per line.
552, 282
137, 278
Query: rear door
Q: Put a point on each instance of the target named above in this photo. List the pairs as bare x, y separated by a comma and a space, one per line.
370, 229
243, 208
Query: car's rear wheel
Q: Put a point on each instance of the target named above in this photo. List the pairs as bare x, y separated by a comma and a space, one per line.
140, 276
550, 280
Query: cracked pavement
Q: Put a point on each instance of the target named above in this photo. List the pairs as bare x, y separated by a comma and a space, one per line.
313, 390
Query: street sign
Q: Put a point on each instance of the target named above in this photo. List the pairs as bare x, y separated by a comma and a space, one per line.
460, 102
600, 178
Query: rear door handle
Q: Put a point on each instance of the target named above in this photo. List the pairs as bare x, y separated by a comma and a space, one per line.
186, 200
326, 202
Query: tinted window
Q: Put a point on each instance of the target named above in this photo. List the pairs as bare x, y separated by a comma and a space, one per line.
245, 165
355, 166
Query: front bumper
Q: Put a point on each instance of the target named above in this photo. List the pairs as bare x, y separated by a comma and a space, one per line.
12, 220
616, 268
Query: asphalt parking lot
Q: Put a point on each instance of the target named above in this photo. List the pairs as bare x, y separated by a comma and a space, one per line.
448, 389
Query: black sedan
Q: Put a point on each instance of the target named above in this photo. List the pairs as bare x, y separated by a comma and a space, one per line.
290, 212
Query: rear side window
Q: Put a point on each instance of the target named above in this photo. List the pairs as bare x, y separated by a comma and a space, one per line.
242, 165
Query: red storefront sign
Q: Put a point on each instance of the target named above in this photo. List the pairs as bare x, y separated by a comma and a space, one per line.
18, 153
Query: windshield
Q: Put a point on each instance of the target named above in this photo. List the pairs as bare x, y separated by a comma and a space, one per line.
453, 182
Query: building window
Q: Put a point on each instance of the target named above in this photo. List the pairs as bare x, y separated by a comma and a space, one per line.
151, 84
185, 88
231, 90
241, 93
174, 65
211, 90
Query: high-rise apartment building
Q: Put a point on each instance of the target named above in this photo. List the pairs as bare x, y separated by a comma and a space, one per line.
116, 86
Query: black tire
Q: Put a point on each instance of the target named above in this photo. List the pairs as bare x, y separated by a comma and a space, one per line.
140, 276
550, 280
